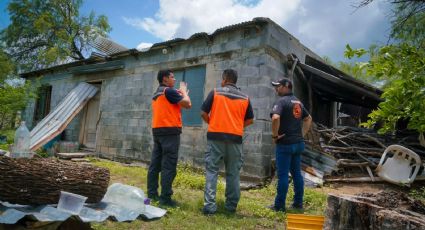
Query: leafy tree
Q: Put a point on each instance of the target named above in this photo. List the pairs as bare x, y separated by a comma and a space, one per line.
6, 67
13, 98
355, 70
49, 32
402, 66
14, 92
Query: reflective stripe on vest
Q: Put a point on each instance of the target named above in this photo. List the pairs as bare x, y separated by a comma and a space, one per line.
228, 110
165, 114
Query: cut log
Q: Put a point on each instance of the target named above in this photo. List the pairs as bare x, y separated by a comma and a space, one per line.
351, 212
39, 181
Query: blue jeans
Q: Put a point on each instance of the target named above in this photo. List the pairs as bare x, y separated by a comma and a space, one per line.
288, 159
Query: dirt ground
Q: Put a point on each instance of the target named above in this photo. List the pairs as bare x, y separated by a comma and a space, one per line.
355, 188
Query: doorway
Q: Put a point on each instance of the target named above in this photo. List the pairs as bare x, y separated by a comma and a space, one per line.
90, 120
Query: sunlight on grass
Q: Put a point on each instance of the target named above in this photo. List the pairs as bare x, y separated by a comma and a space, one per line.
188, 191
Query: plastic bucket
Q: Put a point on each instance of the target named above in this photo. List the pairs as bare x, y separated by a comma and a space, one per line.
71, 202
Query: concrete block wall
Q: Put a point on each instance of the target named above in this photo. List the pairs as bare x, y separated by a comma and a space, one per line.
124, 127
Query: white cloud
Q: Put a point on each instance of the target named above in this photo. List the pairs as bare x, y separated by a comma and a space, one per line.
182, 18
327, 26
144, 45
324, 26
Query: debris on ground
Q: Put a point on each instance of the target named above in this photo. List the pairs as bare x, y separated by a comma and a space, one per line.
350, 153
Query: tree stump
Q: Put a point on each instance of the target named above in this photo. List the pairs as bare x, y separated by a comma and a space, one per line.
39, 181
358, 212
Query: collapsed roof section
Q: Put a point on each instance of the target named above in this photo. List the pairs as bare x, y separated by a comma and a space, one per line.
335, 85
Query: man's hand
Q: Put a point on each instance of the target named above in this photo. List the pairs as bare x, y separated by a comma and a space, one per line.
183, 88
185, 102
276, 138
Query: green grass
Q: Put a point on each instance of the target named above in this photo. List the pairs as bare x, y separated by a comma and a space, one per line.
188, 191
10, 134
418, 193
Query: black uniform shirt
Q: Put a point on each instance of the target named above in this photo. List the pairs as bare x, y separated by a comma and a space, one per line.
292, 113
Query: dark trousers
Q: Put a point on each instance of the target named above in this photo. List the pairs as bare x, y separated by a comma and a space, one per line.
164, 160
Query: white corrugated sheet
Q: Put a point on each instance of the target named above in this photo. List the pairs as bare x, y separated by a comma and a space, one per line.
57, 120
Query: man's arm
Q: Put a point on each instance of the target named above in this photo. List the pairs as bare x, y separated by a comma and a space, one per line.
275, 127
205, 117
306, 124
185, 102
248, 122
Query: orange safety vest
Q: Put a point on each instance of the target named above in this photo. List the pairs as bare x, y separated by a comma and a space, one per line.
227, 113
166, 117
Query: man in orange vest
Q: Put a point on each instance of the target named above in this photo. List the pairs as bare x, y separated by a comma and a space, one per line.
227, 111
166, 129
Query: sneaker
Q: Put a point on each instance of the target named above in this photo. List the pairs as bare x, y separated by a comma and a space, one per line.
207, 212
273, 208
168, 202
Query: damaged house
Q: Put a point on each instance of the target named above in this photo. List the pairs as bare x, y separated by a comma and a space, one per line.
116, 121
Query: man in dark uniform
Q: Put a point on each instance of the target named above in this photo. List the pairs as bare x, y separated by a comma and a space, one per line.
290, 122
166, 129
227, 111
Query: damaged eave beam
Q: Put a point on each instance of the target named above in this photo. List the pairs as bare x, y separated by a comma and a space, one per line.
339, 81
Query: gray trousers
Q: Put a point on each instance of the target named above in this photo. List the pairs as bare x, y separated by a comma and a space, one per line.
231, 153
164, 161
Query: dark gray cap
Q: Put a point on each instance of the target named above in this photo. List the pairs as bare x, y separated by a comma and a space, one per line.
284, 81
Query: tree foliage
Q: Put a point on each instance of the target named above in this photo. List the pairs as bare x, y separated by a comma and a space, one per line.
402, 66
6, 67
49, 32
13, 98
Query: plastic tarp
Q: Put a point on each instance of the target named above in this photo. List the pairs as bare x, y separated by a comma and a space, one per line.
12, 213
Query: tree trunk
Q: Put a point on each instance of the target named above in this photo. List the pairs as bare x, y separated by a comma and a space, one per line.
351, 212
39, 181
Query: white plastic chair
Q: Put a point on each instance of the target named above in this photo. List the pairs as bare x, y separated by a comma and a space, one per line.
401, 168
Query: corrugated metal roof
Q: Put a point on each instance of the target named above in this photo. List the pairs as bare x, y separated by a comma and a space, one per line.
57, 120
107, 46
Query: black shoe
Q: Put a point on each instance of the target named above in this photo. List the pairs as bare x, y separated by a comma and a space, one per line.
153, 197
168, 202
230, 211
207, 212
297, 208
273, 208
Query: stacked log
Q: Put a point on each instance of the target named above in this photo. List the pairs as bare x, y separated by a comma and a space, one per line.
39, 181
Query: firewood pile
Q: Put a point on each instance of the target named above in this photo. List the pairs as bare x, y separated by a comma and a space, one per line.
358, 148
39, 181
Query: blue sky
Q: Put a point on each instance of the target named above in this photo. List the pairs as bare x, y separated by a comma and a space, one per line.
324, 26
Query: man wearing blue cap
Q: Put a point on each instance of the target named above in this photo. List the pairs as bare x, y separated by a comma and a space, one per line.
290, 122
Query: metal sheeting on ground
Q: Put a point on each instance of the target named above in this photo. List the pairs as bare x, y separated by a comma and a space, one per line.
57, 120
11, 214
